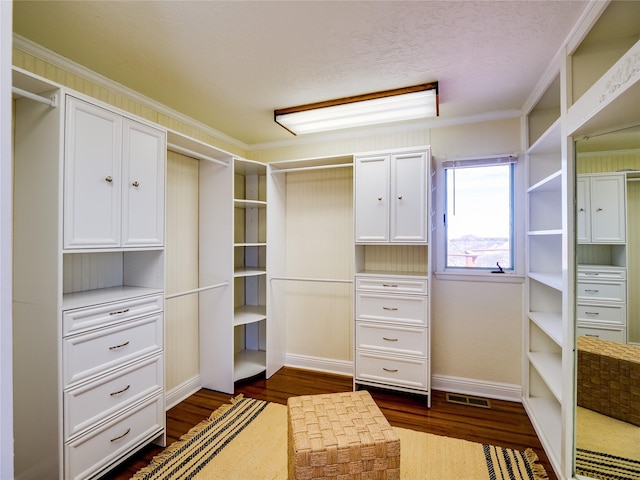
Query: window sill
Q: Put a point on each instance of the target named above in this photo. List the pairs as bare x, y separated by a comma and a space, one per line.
484, 277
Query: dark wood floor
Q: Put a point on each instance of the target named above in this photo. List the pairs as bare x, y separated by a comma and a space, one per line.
504, 424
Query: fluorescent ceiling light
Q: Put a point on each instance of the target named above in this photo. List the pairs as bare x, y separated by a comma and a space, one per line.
409, 103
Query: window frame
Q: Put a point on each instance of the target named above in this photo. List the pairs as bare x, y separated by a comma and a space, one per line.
442, 271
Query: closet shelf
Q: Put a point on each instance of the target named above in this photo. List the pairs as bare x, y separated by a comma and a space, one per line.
241, 203
549, 141
249, 272
551, 183
546, 418
549, 366
550, 324
553, 231
249, 314
248, 363
551, 279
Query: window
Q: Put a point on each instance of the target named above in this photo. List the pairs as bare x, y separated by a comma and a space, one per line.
478, 214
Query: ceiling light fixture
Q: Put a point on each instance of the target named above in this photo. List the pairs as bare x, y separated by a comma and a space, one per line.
408, 103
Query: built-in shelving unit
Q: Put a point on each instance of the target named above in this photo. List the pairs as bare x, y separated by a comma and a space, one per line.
250, 268
589, 89
545, 301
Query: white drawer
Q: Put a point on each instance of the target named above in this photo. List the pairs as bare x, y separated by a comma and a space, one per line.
605, 314
405, 309
603, 291
601, 273
393, 284
603, 332
96, 401
83, 319
100, 350
401, 371
394, 339
99, 448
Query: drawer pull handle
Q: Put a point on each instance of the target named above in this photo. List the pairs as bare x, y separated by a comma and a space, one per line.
390, 285
122, 345
591, 290
121, 391
392, 370
390, 339
592, 313
591, 273
393, 309
121, 436
119, 312
592, 335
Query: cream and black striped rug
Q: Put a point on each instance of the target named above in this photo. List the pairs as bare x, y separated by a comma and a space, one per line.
602, 466
247, 440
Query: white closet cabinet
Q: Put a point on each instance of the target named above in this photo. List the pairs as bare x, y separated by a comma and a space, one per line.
88, 309
601, 212
114, 180
392, 265
391, 198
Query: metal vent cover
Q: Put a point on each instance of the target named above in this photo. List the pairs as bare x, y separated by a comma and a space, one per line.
468, 400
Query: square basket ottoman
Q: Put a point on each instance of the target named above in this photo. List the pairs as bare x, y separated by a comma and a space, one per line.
340, 436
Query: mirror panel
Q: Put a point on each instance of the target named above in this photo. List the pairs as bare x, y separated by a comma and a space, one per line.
608, 302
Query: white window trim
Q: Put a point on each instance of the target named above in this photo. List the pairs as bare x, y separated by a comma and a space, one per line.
438, 235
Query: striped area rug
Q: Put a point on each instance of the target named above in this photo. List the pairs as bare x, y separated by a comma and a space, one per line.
247, 440
602, 466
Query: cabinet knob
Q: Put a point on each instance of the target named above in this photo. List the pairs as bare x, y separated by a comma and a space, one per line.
598, 209
136, 184
109, 179
380, 198
399, 197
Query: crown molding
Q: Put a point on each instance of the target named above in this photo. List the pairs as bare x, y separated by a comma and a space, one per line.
53, 58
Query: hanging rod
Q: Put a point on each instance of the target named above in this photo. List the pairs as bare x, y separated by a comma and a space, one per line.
196, 155
317, 167
195, 290
52, 101
633, 179
307, 279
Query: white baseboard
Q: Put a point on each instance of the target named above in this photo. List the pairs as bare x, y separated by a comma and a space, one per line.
445, 383
467, 386
182, 391
327, 365
477, 388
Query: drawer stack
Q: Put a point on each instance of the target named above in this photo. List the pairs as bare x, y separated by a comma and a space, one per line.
392, 332
113, 379
602, 302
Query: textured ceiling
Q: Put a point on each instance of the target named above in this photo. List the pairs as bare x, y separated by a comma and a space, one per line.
229, 64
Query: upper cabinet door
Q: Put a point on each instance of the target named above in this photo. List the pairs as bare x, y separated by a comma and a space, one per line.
372, 199
143, 169
92, 181
408, 219
583, 216
608, 217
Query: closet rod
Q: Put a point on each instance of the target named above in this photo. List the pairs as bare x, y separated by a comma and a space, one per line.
196, 155
307, 279
195, 290
52, 102
317, 167
633, 179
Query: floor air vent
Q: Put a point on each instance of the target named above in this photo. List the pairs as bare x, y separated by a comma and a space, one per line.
468, 400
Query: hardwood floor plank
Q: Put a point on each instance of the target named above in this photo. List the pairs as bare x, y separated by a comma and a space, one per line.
505, 424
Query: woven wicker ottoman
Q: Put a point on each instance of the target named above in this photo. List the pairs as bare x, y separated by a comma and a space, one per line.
340, 436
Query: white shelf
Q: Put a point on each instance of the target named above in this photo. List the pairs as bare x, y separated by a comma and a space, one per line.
549, 141
248, 363
249, 272
550, 324
242, 203
553, 280
549, 366
552, 182
249, 167
534, 233
105, 295
546, 418
249, 314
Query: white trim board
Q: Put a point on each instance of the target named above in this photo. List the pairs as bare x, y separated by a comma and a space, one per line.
477, 388
182, 392
327, 365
